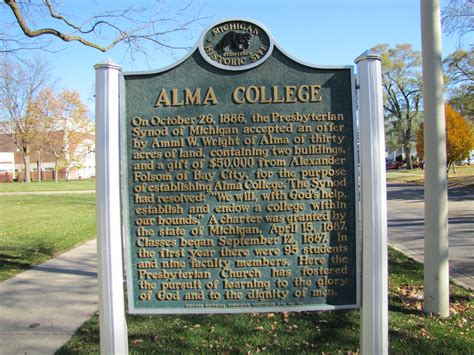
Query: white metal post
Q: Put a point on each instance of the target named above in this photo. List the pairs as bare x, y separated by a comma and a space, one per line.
374, 311
436, 260
113, 327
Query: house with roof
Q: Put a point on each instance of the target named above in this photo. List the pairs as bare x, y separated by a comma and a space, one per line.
48, 161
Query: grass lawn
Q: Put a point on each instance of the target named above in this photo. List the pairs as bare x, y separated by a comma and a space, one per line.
34, 228
463, 177
411, 332
71, 185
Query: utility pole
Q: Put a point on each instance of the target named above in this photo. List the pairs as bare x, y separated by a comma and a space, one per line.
436, 279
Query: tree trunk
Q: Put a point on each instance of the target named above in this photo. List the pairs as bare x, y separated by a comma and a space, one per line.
26, 161
407, 147
40, 165
408, 160
56, 171
38, 169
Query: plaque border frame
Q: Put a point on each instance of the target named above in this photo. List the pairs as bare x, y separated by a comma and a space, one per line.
125, 189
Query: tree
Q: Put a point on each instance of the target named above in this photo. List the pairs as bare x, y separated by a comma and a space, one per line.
462, 100
402, 86
27, 24
457, 17
459, 66
459, 137
42, 109
20, 82
459, 70
65, 127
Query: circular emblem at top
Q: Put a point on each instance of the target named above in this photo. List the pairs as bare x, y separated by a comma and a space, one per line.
236, 45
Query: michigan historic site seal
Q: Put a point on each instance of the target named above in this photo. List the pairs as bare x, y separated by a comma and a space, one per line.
236, 45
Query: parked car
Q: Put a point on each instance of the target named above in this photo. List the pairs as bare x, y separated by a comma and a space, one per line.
468, 161
394, 165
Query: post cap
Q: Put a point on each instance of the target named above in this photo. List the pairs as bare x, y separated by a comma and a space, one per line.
369, 54
108, 64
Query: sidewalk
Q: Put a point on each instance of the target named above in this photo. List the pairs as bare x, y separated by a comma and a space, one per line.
40, 309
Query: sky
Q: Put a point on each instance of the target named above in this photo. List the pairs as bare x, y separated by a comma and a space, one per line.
325, 32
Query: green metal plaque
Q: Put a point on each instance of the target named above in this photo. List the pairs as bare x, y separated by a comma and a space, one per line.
239, 179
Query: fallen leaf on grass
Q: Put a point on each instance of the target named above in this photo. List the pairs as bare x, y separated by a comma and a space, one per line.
290, 327
424, 332
459, 307
410, 296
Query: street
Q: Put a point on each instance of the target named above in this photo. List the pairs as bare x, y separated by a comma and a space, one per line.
406, 225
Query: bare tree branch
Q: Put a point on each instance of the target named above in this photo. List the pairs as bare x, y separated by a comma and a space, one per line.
46, 31
58, 16
19, 84
458, 17
133, 27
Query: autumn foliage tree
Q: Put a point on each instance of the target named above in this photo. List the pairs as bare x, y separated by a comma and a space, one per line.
65, 125
74, 126
459, 137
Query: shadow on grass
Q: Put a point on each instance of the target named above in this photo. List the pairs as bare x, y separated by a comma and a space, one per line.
396, 305
17, 259
8, 261
415, 343
273, 333
460, 298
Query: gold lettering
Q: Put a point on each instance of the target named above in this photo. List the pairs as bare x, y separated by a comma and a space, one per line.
192, 98
174, 97
290, 94
210, 97
276, 99
287, 94
186, 97
163, 99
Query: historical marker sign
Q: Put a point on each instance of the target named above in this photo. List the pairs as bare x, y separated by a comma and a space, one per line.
240, 181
